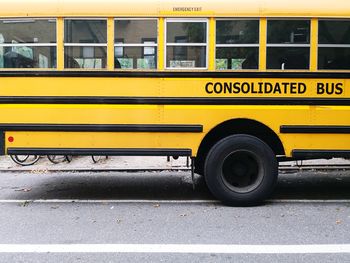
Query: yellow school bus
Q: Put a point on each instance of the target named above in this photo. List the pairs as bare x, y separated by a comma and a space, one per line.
237, 85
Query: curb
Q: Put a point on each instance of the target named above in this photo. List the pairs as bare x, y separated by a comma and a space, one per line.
305, 168
131, 170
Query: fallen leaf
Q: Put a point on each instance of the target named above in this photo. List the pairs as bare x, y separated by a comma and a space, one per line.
156, 205
24, 204
338, 222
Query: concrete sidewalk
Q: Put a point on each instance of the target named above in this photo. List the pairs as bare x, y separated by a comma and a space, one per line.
112, 163
125, 163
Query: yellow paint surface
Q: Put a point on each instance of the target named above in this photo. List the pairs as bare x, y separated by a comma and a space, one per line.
207, 115
202, 8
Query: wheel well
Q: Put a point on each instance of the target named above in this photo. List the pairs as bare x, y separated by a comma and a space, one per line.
237, 126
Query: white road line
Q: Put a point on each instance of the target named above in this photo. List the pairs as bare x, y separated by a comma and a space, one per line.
176, 248
137, 201
309, 201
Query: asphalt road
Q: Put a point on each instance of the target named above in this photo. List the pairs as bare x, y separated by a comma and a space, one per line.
71, 216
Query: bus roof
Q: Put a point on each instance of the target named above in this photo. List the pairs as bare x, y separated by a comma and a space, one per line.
175, 8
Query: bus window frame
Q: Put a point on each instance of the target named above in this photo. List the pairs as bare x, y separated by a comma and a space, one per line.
330, 45
55, 44
155, 45
85, 44
257, 45
206, 44
289, 45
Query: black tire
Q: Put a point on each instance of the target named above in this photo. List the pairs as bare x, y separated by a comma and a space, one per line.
241, 170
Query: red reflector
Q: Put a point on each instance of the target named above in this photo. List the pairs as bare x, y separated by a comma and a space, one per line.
11, 139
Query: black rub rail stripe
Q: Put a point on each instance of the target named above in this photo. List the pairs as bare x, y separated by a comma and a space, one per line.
100, 151
158, 74
314, 129
172, 100
315, 154
102, 127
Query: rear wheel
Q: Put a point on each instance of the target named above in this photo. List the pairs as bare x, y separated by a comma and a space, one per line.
241, 170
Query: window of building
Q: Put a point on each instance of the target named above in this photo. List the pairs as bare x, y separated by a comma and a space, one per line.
85, 43
186, 43
333, 44
237, 44
288, 44
135, 44
28, 43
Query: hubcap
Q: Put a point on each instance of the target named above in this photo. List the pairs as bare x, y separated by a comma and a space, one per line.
242, 171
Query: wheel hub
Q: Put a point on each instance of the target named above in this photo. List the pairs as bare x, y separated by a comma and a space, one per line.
241, 171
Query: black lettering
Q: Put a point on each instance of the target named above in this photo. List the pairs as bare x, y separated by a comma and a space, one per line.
320, 88
227, 87
339, 88
217, 87
187, 9
301, 88
268, 88
277, 88
245, 85
261, 88
329, 88
293, 88
253, 91
207, 87
236, 88
285, 87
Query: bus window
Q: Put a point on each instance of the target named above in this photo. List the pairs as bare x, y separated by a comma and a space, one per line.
186, 43
27, 43
237, 44
288, 44
85, 43
135, 43
334, 44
